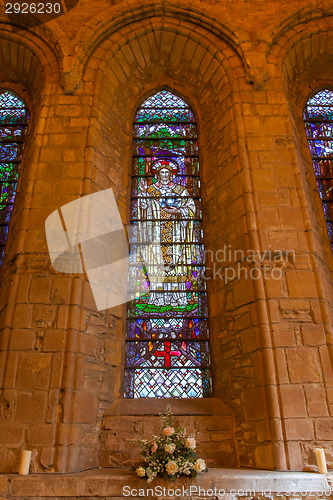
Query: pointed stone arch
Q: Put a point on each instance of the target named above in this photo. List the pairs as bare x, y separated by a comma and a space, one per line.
98, 30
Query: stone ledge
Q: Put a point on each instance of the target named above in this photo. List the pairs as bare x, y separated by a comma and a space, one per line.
190, 406
109, 483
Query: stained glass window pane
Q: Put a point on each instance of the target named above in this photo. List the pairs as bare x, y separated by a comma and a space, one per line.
13, 128
318, 119
167, 328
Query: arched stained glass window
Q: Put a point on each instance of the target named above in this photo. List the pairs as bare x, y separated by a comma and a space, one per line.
13, 128
167, 330
318, 119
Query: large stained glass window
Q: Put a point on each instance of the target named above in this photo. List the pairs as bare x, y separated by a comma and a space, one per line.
167, 330
318, 119
13, 128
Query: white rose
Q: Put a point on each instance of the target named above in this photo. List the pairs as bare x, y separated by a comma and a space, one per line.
140, 472
170, 448
190, 443
200, 465
168, 431
171, 468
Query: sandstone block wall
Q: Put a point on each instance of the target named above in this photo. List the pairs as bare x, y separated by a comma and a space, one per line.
129, 420
247, 69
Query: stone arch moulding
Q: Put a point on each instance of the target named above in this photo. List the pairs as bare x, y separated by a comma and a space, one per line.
302, 43
308, 31
26, 42
222, 53
27, 67
97, 30
118, 90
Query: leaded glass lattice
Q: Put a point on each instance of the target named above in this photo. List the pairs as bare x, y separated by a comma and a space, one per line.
167, 328
318, 119
13, 128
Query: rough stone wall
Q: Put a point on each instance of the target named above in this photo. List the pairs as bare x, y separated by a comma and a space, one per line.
128, 420
247, 69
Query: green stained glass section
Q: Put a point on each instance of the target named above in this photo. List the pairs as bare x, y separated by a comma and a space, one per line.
13, 128
167, 335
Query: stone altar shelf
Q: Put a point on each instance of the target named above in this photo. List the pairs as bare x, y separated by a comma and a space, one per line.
109, 483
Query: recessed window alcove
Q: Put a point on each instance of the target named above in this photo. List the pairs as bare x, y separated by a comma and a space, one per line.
167, 345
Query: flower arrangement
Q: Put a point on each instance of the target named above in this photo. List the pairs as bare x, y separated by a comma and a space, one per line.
171, 454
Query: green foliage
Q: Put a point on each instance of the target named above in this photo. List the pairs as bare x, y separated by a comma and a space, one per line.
167, 308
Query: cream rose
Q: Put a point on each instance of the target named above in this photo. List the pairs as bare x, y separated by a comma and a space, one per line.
168, 431
171, 467
140, 472
153, 447
170, 448
190, 443
200, 465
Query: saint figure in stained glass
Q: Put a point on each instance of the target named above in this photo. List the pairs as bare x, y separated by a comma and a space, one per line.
170, 210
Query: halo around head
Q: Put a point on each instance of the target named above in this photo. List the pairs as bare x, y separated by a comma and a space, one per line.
167, 163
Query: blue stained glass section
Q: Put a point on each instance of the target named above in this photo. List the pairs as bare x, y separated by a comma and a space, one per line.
13, 128
318, 120
167, 335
